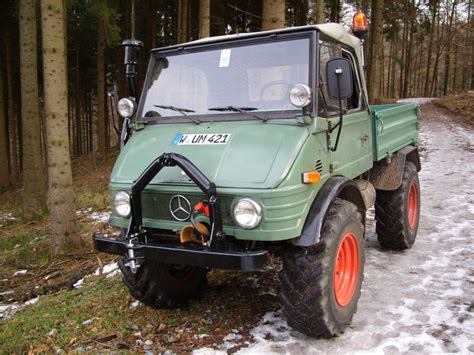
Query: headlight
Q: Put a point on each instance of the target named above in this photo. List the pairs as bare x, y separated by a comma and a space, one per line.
247, 213
122, 204
300, 95
126, 107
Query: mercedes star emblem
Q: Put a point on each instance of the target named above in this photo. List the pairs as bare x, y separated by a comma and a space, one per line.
180, 208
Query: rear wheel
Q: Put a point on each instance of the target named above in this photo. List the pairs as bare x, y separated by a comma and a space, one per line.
321, 284
163, 285
398, 212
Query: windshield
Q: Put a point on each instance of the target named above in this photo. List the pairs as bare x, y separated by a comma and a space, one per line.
254, 77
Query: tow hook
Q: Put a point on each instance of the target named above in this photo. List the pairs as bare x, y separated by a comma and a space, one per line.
133, 261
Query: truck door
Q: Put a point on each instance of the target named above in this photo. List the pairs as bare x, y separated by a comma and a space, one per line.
353, 155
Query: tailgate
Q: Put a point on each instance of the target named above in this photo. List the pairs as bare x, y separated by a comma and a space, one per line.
394, 127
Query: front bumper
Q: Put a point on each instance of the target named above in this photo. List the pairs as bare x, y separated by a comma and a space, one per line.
186, 255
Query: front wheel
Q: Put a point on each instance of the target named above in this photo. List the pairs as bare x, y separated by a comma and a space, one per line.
163, 285
320, 285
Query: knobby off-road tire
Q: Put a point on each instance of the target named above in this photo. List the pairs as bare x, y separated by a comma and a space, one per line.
398, 212
163, 285
315, 299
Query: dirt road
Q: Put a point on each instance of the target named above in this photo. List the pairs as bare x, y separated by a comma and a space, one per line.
420, 300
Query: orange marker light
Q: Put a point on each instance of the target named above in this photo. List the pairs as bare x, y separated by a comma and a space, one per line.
359, 25
311, 177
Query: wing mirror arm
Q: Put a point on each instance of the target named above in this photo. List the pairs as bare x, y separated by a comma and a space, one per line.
338, 72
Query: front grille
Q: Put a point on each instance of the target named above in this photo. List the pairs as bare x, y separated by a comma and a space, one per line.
156, 205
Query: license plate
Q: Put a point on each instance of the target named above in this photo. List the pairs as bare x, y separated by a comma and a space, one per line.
201, 139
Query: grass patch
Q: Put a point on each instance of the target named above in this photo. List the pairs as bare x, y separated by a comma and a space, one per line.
99, 316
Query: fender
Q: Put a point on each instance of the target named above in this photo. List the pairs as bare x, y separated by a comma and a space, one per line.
386, 175
335, 187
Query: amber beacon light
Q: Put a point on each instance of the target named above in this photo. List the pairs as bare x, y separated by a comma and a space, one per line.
359, 25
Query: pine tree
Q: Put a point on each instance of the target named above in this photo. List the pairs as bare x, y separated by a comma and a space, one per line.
4, 173
34, 182
318, 11
61, 194
204, 15
376, 46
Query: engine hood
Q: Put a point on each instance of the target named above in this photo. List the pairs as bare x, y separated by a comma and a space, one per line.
254, 155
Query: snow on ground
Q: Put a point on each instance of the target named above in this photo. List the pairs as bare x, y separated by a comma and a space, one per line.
416, 100
420, 300
110, 270
5, 217
8, 310
99, 217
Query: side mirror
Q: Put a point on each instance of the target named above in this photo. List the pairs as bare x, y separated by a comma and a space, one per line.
339, 78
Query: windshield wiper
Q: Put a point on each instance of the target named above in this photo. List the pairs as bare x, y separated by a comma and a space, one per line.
181, 110
239, 109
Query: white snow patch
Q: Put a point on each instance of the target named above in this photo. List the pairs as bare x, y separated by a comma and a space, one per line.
32, 301
89, 321
9, 310
135, 304
99, 217
110, 270
208, 351
416, 100
20, 272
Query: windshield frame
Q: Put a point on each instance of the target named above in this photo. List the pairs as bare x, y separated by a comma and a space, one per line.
310, 34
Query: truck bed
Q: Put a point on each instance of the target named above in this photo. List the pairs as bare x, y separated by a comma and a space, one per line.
394, 126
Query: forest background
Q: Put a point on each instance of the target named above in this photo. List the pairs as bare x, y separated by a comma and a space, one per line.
62, 72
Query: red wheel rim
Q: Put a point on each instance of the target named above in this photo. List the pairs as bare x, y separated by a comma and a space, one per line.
412, 207
346, 270
181, 273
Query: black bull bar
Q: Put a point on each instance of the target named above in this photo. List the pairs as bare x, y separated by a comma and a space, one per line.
213, 255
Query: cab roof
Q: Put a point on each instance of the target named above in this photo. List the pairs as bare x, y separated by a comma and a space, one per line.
332, 30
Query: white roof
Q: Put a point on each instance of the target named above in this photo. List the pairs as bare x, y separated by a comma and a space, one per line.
333, 30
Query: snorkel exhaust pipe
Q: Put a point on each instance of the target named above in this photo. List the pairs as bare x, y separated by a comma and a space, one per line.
132, 49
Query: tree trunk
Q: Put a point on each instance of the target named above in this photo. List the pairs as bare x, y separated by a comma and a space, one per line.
61, 193
430, 48
34, 182
335, 13
273, 14
407, 61
439, 40
4, 173
151, 23
101, 120
318, 11
375, 49
204, 18
448, 50
12, 116
182, 21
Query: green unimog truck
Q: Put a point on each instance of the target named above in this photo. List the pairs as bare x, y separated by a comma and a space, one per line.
246, 145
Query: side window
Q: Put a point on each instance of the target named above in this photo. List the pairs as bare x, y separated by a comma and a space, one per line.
329, 107
354, 102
